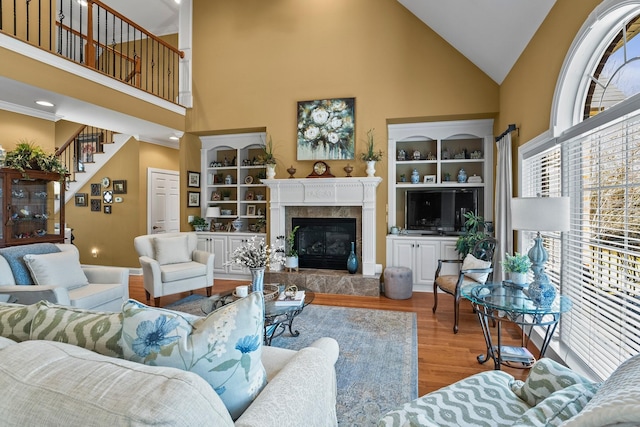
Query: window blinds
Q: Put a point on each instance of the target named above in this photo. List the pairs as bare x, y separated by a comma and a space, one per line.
597, 263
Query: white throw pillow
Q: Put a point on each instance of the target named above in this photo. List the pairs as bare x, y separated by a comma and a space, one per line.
172, 250
616, 402
61, 269
471, 262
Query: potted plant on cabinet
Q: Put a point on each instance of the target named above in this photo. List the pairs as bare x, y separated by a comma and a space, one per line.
268, 159
226, 194
516, 266
27, 156
371, 156
198, 223
291, 255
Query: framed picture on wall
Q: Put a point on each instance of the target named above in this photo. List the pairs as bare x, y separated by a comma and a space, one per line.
193, 179
107, 209
120, 186
326, 129
193, 199
81, 199
96, 205
96, 190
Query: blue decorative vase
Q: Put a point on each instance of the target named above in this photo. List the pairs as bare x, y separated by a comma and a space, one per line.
542, 292
352, 261
257, 279
462, 176
415, 176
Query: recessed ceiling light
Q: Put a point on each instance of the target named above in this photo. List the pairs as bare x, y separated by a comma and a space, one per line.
174, 138
45, 103
177, 1
82, 2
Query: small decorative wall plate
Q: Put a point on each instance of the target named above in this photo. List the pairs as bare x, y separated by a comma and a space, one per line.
106, 182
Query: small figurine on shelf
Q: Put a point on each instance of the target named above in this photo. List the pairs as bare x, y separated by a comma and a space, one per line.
445, 154
416, 155
402, 155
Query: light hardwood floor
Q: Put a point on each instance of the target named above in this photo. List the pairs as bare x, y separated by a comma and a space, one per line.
443, 357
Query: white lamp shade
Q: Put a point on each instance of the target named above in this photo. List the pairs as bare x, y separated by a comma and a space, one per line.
540, 213
212, 212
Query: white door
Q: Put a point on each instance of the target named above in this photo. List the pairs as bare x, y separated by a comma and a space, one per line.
163, 201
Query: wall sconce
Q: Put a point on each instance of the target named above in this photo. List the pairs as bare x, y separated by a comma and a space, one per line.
94, 253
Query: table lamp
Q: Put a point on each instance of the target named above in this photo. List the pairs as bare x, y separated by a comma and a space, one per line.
212, 212
540, 214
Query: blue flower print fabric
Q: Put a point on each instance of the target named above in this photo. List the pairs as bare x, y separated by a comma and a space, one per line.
224, 348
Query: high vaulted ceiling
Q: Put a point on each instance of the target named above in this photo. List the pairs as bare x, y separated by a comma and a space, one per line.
490, 33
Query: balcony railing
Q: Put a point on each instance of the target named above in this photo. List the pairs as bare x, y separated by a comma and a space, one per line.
91, 33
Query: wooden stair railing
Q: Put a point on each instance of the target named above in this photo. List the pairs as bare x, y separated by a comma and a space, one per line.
81, 147
100, 38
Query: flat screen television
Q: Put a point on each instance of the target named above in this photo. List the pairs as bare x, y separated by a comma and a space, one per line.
440, 211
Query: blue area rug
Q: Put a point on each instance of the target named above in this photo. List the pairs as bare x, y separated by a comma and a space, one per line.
377, 369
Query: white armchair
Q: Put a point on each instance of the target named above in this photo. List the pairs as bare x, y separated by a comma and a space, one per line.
171, 263
59, 278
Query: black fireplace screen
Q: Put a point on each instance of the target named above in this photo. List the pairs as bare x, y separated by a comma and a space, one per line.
324, 242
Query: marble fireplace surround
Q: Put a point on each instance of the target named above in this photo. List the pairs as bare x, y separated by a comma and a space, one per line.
325, 197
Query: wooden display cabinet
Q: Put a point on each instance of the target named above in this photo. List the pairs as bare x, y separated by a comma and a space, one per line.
32, 207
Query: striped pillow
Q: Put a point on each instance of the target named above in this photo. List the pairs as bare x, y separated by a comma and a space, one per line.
93, 330
15, 320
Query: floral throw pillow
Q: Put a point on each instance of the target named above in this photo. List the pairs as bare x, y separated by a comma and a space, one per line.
224, 348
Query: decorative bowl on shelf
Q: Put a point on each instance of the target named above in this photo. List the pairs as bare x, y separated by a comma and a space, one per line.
225, 211
238, 224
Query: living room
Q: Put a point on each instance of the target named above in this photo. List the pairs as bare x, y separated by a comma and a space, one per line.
252, 62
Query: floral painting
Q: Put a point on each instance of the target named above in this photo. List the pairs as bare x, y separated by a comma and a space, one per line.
326, 129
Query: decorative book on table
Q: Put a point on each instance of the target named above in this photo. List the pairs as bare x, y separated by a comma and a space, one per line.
295, 300
516, 354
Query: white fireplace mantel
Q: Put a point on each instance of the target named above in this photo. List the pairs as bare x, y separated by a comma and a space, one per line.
353, 191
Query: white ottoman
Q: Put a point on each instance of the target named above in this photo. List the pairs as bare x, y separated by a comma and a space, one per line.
398, 282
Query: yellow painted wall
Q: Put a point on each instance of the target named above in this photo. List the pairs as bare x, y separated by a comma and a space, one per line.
254, 60
112, 234
15, 128
527, 93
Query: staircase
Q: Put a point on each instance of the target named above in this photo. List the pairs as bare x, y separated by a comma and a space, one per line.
86, 153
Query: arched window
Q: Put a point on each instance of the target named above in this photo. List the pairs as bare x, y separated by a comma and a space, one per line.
617, 76
592, 154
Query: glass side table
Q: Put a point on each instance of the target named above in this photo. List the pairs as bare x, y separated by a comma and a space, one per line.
277, 319
504, 301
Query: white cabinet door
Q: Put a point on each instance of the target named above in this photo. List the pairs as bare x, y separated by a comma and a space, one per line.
448, 251
426, 255
236, 242
403, 253
218, 245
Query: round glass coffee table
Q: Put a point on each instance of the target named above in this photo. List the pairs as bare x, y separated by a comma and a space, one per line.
277, 318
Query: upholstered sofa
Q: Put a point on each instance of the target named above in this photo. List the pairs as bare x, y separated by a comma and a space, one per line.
73, 367
552, 395
171, 263
52, 272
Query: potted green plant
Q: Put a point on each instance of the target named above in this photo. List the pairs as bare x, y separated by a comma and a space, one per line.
268, 158
371, 155
28, 156
291, 255
516, 266
474, 232
198, 223
225, 193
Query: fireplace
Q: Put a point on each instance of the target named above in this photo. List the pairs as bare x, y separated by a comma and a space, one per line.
336, 194
324, 243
